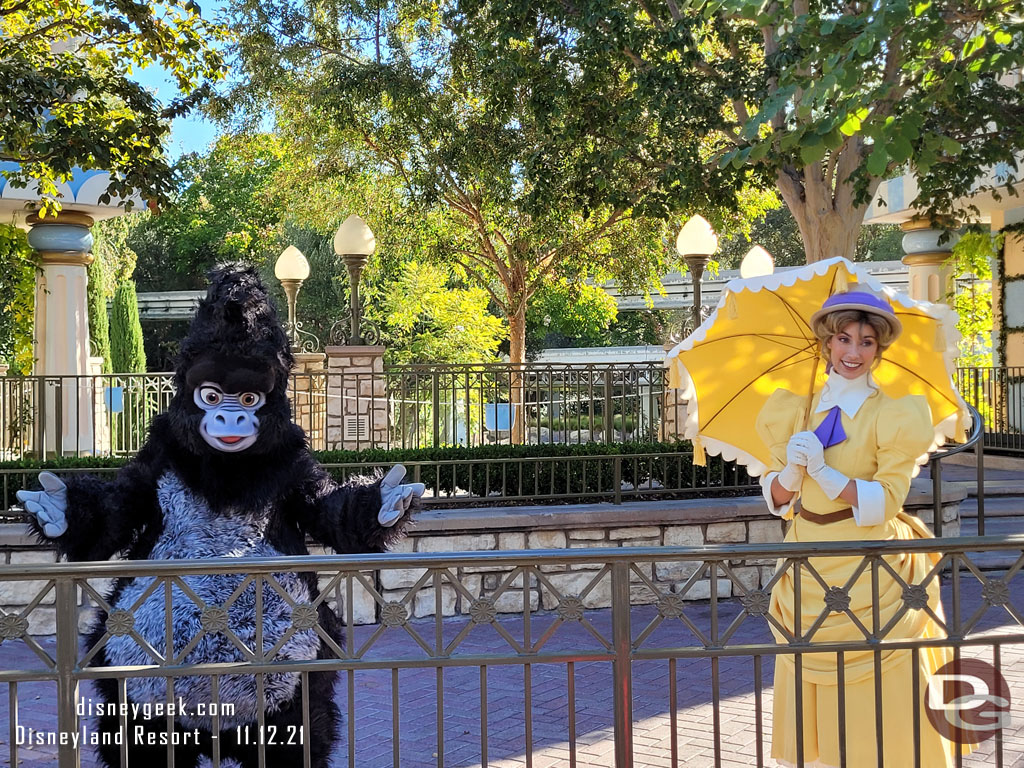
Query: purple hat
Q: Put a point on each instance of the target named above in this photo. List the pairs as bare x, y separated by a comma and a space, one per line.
861, 301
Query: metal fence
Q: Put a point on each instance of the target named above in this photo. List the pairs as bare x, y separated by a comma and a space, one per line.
574, 655
420, 406
998, 394
613, 477
414, 406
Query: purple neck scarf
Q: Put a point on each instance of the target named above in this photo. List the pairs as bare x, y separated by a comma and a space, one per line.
830, 432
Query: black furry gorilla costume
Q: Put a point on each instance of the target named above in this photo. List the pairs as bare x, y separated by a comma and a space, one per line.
181, 497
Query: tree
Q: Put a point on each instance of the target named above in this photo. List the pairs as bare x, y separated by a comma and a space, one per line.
439, 322
413, 91
224, 208
827, 99
126, 350
96, 299
67, 98
17, 300
778, 232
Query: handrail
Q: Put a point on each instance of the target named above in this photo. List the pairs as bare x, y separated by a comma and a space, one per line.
935, 464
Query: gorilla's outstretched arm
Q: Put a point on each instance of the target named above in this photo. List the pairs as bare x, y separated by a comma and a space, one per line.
347, 517
93, 519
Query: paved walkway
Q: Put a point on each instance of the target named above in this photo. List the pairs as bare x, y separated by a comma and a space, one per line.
547, 743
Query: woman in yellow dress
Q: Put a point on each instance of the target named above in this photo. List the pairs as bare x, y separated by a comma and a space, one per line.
845, 479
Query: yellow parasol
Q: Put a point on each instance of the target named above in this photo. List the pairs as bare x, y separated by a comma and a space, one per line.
759, 339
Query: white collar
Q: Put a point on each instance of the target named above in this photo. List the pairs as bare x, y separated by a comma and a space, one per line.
848, 394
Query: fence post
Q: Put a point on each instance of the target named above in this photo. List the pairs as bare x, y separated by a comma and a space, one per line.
622, 667
937, 496
435, 397
67, 686
617, 479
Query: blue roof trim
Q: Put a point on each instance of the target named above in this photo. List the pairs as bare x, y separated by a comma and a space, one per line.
78, 177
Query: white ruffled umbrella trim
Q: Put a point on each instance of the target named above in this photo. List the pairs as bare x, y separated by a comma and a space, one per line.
951, 428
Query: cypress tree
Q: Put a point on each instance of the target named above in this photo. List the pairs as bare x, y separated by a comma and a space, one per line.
126, 350
99, 326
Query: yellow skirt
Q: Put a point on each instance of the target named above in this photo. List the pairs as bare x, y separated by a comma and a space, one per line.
819, 671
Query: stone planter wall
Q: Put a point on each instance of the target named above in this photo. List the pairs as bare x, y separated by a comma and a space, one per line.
637, 524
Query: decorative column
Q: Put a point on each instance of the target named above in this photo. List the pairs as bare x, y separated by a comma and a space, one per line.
308, 393
930, 275
64, 245
357, 403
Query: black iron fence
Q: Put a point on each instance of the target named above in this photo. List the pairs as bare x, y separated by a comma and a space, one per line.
612, 477
414, 406
583, 655
998, 394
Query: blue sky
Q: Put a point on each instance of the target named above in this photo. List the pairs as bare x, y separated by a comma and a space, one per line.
194, 133
188, 134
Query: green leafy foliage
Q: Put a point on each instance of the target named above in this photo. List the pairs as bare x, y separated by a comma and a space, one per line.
17, 300
532, 167
69, 98
126, 350
971, 266
570, 313
429, 320
96, 301
824, 99
225, 208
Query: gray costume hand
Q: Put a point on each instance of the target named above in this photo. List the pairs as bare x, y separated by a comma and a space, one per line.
48, 505
396, 498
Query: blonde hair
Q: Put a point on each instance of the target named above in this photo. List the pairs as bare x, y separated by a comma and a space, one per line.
832, 323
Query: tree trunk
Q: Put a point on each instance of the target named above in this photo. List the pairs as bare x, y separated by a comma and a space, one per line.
827, 235
517, 356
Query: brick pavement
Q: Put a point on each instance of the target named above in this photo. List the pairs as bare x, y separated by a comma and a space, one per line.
548, 745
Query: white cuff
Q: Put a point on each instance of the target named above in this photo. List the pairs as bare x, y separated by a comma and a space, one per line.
766, 491
870, 509
831, 481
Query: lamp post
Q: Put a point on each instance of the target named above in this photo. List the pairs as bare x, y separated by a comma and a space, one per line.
354, 243
291, 268
696, 243
757, 263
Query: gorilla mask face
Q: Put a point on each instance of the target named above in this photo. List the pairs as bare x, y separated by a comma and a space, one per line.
230, 423
228, 393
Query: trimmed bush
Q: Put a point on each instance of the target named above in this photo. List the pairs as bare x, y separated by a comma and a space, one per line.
99, 326
126, 351
498, 470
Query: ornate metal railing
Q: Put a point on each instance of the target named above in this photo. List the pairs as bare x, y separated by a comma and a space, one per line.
413, 406
567, 651
998, 394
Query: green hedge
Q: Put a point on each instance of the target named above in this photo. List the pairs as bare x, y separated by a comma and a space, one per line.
500, 470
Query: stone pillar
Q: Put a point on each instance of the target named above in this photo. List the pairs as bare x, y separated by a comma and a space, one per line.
308, 395
357, 403
64, 245
930, 276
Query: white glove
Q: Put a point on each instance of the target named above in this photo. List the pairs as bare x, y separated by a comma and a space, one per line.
831, 481
813, 451
49, 505
792, 475
396, 498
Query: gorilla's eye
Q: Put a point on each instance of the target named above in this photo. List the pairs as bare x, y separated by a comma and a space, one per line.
210, 396
249, 399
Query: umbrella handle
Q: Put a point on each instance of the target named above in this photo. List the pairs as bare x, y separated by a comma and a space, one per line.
810, 394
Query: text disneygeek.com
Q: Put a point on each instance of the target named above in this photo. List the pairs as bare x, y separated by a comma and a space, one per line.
135, 734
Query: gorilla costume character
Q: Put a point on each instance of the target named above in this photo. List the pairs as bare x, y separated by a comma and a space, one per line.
224, 473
